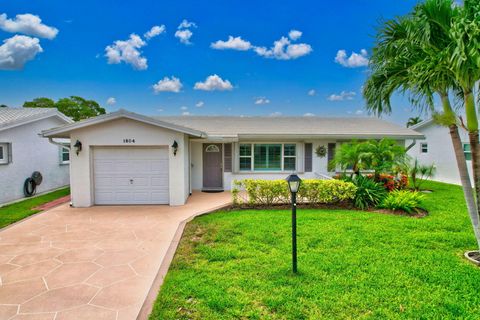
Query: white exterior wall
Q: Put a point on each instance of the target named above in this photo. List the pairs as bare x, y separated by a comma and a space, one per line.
319, 165
440, 152
30, 153
112, 134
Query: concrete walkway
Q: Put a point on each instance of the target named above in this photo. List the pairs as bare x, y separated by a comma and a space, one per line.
92, 263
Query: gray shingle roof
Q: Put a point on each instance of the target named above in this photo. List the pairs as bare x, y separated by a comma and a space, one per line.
15, 116
315, 126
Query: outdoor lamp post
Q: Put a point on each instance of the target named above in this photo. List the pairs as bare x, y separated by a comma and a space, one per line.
294, 184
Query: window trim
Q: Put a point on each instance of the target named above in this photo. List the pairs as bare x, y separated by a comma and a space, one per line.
5, 153
424, 147
62, 152
252, 157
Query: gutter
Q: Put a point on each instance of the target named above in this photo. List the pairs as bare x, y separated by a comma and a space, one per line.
410, 146
67, 146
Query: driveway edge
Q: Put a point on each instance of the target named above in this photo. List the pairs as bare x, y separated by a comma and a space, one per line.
167, 260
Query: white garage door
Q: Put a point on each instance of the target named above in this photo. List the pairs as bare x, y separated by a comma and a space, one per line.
131, 175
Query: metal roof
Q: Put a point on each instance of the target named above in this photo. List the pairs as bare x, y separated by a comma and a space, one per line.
12, 117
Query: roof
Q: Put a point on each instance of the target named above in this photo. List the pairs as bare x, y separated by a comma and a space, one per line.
13, 117
244, 127
63, 131
297, 126
422, 124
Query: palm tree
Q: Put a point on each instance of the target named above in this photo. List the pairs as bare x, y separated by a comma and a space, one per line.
413, 121
382, 155
411, 56
349, 156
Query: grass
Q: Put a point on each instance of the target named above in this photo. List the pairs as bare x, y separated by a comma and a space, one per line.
352, 265
20, 210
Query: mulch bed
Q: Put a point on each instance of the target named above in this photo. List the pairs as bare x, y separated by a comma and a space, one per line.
53, 203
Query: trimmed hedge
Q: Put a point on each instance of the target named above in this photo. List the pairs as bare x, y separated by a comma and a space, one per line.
272, 192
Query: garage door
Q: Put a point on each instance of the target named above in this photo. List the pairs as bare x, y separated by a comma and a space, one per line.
131, 175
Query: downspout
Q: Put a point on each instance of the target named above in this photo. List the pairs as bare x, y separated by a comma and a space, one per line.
414, 142
67, 146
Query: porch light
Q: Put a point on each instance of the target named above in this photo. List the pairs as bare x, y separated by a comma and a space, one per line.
78, 147
294, 185
175, 147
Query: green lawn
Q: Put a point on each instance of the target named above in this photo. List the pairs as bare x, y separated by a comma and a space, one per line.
20, 210
236, 265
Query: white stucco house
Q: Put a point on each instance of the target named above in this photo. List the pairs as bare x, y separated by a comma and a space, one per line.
437, 149
126, 158
23, 151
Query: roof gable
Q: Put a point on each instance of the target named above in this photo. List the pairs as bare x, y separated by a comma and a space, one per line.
65, 130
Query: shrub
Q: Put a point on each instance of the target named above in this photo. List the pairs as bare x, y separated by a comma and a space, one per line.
369, 193
391, 182
405, 200
271, 192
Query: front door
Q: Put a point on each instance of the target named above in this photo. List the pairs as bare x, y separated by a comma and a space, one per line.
212, 166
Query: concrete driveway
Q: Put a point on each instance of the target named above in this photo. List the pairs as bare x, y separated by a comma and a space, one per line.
91, 263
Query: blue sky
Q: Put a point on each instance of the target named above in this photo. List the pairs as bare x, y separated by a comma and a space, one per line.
74, 61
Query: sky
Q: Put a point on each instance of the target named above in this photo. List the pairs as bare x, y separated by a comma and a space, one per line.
195, 57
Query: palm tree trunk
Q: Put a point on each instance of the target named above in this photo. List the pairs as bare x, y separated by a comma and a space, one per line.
463, 170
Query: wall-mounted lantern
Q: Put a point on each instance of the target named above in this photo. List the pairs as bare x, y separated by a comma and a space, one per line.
78, 147
175, 147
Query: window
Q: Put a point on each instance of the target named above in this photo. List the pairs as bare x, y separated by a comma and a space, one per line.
268, 157
424, 147
289, 157
212, 148
64, 155
245, 157
467, 151
4, 153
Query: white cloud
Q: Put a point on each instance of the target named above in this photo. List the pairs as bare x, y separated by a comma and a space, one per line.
309, 114
262, 100
168, 85
294, 34
344, 95
154, 31
28, 24
354, 61
187, 24
184, 33
18, 50
160, 109
199, 104
127, 51
311, 92
186, 113
213, 82
184, 108
111, 101
233, 43
283, 49
359, 112
275, 114
184, 36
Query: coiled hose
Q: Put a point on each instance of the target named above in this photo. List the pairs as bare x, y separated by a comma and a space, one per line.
29, 187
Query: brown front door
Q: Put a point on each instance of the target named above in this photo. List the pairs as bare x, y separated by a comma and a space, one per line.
212, 166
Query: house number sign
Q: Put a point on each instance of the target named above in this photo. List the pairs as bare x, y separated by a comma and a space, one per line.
128, 140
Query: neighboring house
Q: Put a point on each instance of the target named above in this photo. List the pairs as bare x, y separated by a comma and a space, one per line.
23, 151
127, 158
437, 149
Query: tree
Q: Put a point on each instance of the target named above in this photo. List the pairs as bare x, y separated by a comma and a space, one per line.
3, 106
349, 156
413, 121
74, 107
413, 55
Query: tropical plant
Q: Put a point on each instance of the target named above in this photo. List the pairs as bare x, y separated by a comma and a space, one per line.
408, 201
74, 107
369, 193
419, 173
348, 156
433, 50
413, 121
382, 155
